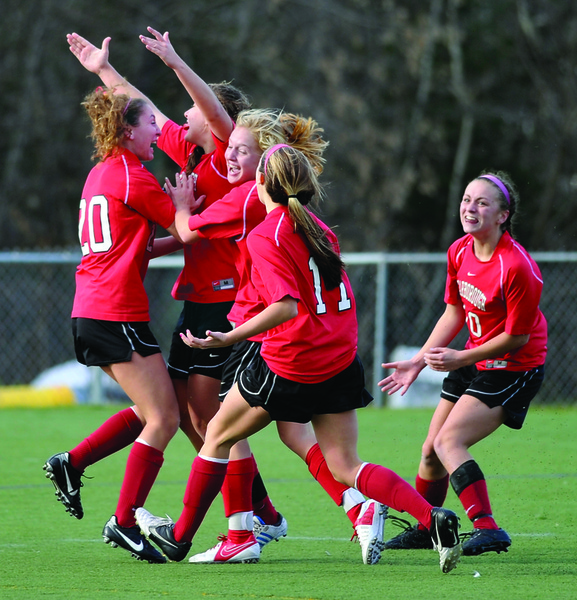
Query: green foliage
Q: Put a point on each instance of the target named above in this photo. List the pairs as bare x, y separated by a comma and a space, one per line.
46, 554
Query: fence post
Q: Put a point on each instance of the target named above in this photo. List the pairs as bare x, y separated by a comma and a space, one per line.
380, 328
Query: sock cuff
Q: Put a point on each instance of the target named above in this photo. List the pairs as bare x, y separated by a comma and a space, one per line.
241, 466
313, 450
212, 459
147, 452
358, 478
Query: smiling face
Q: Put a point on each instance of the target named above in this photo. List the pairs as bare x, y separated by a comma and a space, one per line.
242, 156
140, 139
196, 125
481, 213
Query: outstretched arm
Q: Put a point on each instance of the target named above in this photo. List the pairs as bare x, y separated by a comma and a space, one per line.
273, 315
406, 371
203, 97
95, 60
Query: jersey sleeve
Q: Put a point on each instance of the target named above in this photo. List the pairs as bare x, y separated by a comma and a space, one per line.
172, 142
146, 197
451, 287
522, 289
222, 219
272, 270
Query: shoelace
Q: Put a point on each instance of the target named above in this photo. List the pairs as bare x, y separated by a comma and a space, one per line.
400, 522
465, 535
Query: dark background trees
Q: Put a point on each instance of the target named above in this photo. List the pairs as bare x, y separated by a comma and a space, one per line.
416, 98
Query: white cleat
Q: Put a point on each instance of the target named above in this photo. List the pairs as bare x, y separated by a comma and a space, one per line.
267, 533
370, 528
227, 552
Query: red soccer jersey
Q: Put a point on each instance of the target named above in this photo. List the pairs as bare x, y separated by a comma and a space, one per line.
321, 340
121, 203
234, 217
500, 295
209, 274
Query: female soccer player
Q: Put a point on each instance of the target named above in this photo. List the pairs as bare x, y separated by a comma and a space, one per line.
233, 218
121, 204
307, 369
493, 286
209, 280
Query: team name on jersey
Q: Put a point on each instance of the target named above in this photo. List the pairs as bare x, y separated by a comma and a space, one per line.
472, 294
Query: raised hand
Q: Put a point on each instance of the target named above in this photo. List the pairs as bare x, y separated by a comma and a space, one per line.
93, 59
160, 45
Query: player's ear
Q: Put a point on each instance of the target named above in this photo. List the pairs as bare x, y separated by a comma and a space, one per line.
260, 179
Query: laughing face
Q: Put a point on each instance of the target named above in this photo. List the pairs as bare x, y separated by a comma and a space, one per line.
242, 156
140, 139
481, 213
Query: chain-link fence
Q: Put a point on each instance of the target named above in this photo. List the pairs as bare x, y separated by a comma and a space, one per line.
399, 298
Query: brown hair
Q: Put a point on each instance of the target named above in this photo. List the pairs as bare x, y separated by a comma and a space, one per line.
290, 180
511, 206
234, 101
110, 114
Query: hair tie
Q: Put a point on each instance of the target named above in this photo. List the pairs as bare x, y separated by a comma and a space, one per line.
293, 196
126, 107
499, 184
271, 152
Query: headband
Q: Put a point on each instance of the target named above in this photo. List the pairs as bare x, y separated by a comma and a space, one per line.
126, 106
271, 152
499, 184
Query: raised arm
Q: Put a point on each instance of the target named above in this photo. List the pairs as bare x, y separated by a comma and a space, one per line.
96, 61
203, 97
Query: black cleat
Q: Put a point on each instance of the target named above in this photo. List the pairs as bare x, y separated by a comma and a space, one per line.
132, 540
412, 538
445, 535
160, 530
66, 481
486, 540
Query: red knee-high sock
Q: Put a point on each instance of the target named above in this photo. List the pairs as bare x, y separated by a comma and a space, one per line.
475, 501
433, 491
204, 482
469, 484
318, 467
386, 487
237, 486
113, 435
142, 467
237, 496
261, 503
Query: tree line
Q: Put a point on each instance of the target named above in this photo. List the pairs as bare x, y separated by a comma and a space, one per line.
416, 98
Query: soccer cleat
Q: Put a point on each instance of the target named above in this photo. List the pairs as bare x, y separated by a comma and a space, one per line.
227, 552
160, 530
66, 481
132, 540
486, 540
412, 538
267, 533
369, 527
445, 535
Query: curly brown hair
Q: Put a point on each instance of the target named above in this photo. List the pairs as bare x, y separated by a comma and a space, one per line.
110, 114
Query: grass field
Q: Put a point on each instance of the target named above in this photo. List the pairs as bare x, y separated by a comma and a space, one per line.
44, 553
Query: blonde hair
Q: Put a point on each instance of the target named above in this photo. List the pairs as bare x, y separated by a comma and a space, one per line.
270, 127
110, 114
291, 180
